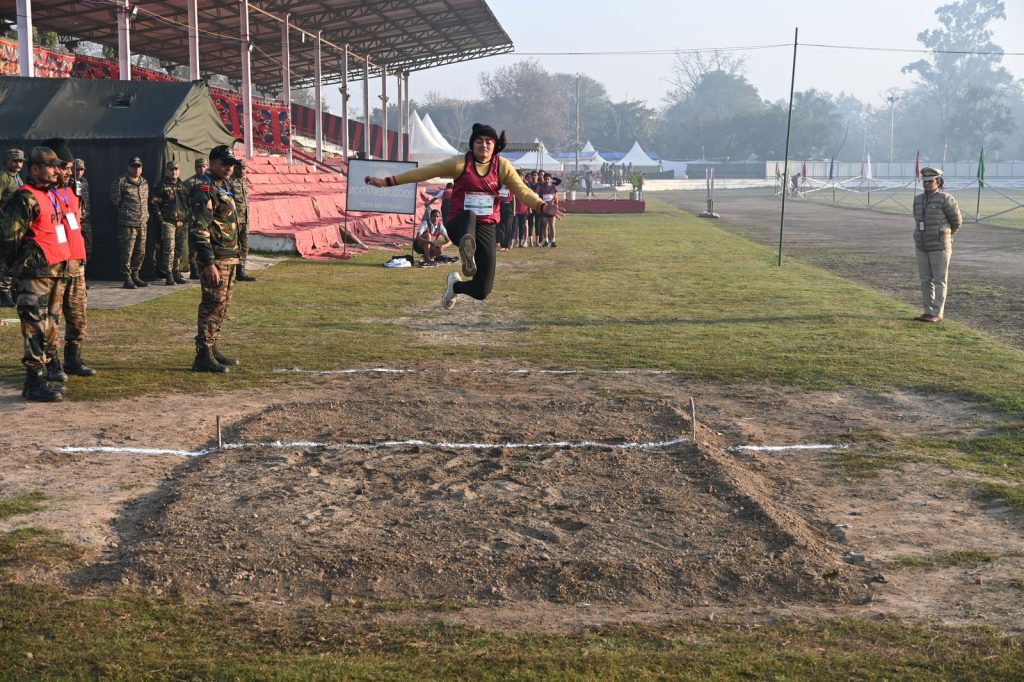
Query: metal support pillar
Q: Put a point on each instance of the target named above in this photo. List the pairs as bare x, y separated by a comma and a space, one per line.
400, 108
366, 106
317, 77
286, 75
344, 103
247, 133
408, 113
384, 111
193, 40
26, 49
124, 43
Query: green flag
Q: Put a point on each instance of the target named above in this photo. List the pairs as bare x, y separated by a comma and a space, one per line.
981, 166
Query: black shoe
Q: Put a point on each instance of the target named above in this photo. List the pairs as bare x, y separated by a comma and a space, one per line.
223, 359
178, 278
128, 283
139, 282
73, 364
467, 253
243, 276
37, 390
169, 281
553, 245
204, 362
193, 272
54, 372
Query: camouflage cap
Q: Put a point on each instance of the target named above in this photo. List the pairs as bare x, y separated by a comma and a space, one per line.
14, 155
60, 147
171, 166
45, 156
200, 163
79, 164
931, 172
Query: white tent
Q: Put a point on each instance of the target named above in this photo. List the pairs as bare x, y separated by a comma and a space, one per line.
422, 146
588, 149
438, 137
538, 160
638, 157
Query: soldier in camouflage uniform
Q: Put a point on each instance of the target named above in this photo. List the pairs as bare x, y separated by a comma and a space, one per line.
130, 196
34, 243
201, 166
170, 201
75, 301
10, 182
85, 205
213, 236
241, 185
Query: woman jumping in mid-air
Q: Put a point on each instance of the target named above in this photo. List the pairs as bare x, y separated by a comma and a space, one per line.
474, 212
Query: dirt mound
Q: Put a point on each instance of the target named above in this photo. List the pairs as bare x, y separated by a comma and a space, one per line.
561, 523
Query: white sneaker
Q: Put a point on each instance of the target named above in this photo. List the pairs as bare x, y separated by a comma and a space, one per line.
448, 298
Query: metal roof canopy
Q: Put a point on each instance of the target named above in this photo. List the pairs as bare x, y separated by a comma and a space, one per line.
399, 35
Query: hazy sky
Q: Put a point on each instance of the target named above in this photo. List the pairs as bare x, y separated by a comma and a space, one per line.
595, 25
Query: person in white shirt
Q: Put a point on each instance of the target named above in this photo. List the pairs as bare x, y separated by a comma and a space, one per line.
431, 238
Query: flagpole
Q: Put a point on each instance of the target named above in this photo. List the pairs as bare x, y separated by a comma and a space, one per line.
789, 125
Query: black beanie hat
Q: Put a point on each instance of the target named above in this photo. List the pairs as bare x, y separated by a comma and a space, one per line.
484, 130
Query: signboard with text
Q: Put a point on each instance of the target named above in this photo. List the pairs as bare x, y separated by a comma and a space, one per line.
363, 197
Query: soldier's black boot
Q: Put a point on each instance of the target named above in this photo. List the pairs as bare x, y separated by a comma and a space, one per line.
128, 283
193, 271
139, 282
169, 281
178, 278
73, 363
243, 276
223, 359
37, 390
205, 362
53, 368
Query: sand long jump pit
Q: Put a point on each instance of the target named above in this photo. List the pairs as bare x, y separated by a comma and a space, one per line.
598, 496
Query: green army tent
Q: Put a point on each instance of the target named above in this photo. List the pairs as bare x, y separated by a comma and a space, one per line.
106, 123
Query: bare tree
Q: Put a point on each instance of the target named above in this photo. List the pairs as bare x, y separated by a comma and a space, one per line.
690, 68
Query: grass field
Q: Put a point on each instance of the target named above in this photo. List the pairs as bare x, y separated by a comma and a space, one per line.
662, 291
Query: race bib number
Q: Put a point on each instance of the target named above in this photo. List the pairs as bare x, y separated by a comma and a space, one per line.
480, 203
547, 197
72, 221
62, 235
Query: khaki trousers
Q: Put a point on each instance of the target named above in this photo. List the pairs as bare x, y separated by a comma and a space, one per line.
933, 267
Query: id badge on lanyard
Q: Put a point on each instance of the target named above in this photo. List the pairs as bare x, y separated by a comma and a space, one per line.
62, 235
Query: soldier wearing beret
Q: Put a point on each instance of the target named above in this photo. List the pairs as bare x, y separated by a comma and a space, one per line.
213, 237
130, 196
34, 242
937, 218
171, 204
10, 182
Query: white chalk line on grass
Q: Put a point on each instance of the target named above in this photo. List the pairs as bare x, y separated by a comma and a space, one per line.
781, 448
383, 445
392, 370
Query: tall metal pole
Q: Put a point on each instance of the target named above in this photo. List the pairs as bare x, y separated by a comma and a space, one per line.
286, 73
892, 99
344, 104
193, 40
366, 107
400, 109
26, 51
405, 116
248, 139
577, 171
789, 127
384, 111
317, 77
124, 43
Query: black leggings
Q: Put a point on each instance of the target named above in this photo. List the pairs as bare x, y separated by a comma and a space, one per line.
486, 254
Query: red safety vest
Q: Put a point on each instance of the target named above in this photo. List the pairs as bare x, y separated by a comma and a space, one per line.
477, 188
71, 205
48, 229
